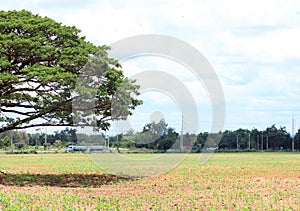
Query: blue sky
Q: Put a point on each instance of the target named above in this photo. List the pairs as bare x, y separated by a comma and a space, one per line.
253, 47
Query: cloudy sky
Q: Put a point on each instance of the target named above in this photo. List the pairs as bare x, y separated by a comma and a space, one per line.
253, 46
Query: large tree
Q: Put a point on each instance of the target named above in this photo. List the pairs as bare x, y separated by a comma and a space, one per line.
297, 140
46, 66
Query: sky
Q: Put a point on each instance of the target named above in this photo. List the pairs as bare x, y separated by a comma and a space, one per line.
253, 47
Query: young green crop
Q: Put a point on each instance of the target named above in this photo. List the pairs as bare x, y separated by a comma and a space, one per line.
241, 181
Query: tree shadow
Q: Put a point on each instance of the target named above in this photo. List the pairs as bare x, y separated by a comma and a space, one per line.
71, 180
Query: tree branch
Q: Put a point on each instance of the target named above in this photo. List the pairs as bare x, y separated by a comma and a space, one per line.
18, 112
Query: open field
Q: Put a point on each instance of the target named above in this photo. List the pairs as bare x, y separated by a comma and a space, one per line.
237, 181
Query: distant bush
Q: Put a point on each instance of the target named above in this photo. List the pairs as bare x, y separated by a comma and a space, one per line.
23, 152
227, 151
239, 150
20, 145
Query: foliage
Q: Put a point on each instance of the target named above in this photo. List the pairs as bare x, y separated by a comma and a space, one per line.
127, 144
167, 141
273, 138
58, 144
41, 74
20, 145
46, 146
297, 140
5, 142
20, 139
155, 136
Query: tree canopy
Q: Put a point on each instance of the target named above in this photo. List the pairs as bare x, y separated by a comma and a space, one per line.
43, 69
155, 135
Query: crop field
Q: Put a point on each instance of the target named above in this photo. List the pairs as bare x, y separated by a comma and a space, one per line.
228, 181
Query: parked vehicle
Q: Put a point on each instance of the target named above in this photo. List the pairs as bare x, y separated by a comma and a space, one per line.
84, 148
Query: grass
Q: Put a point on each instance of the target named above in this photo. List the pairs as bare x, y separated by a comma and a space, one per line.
228, 181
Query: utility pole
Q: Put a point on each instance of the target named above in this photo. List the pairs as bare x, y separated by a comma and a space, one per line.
267, 144
181, 141
257, 142
12, 141
108, 143
293, 134
181, 136
262, 141
105, 141
45, 134
249, 135
237, 142
45, 143
118, 144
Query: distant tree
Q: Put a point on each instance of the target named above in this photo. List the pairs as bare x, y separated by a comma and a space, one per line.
167, 141
286, 139
211, 141
273, 137
66, 136
228, 140
202, 138
20, 145
58, 144
156, 129
127, 144
155, 135
5, 142
46, 146
242, 136
115, 141
151, 134
255, 138
297, 140
42, 75
21, 137
278, 137
37, 139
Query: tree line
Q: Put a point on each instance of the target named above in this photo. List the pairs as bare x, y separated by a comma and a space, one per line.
271, 138
158, 136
